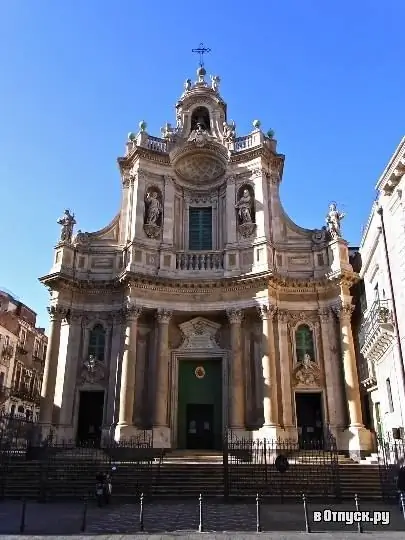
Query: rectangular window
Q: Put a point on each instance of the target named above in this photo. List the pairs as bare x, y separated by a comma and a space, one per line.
389, 394
200, 229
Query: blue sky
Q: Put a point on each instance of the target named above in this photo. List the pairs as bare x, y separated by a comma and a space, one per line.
77, 76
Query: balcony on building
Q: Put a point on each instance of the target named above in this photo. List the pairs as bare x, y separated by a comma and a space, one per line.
377, 331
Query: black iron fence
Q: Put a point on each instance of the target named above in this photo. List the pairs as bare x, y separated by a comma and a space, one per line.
280, 468
48, 468
391, 456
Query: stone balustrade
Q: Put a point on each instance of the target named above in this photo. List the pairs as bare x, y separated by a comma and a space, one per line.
200, 260
157, 144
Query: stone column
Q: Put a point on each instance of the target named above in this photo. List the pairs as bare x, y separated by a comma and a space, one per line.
332, 384
270, 403
284, 345
358, 439
237, 390
56, 313
112, 404
140, 393
161, 430
351, 379
128, 373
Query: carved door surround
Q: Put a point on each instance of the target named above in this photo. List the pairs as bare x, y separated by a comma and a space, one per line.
199, 343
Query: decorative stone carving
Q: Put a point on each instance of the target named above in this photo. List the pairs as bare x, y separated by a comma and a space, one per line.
343, 311
67, 221
81, 238
319, 236
164, 315
93, 371
229, 132
153, 213
187, 86
235, 316
267, 312
307, 372
132, 312
57, 313
199, 333
333, 220
325, 314
199, 136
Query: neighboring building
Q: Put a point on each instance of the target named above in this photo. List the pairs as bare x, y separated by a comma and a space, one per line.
202, 307
22, 356
383, 261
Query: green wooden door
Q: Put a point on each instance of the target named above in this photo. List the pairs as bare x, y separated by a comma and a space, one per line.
200, 383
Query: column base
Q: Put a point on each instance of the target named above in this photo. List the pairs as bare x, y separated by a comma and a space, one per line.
357, 441
270, 433
161, 437
125, 432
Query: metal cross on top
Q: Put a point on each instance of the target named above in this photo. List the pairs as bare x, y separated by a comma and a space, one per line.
201, 50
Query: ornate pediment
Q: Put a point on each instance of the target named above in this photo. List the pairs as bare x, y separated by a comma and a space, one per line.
307, 373
199, 333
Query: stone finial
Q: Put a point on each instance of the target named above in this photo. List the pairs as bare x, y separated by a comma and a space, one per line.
256, 124
142, 126
131, 136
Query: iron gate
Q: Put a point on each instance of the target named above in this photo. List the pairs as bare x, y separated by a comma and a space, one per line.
391, 456
250, 468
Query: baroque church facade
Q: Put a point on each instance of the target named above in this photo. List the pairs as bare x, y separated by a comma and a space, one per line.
202, 309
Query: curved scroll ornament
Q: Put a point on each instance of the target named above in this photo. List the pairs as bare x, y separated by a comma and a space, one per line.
153, 213
319, 236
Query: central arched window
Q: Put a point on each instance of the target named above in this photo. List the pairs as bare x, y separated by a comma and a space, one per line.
97, 343
304, 342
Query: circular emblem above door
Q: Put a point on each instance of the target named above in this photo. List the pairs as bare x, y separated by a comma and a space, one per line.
199, 372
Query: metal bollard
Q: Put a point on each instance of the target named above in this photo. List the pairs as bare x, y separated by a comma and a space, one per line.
304, 501
200, 525
402, 499
258, 521
23, 512
141, 526
357, 505
84, 516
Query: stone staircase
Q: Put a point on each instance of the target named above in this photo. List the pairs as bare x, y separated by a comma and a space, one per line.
185, 475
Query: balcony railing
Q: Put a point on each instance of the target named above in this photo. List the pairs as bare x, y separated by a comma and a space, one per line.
25, 394
200, 260
21, 348
377, 331
7, 352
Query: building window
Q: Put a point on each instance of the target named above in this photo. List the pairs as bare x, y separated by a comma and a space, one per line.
200, 229
304, 342
36, 348
2, 380
22, 337
97, 343
389, 394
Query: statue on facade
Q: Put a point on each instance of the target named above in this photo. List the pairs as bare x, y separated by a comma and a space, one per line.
229, 132
199, 135
167, 131
215, 82
333, 220
179, 123
187, 86
153, 211
153, 208
67, 221
81, 238
244, 207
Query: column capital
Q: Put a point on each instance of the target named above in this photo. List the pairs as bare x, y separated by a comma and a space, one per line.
343, 311
284, 316
267, 312
235, 316
325, 314
164, 315
57, 313
75, 316
132, 313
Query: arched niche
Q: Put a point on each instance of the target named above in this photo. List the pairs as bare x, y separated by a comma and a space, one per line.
201, 115
153, 212
304, 343
245, 205
97, 342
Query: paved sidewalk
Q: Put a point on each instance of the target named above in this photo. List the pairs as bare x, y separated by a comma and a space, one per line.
183, 517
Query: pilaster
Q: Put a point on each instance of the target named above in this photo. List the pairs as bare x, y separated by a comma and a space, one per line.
237, 389
161, 429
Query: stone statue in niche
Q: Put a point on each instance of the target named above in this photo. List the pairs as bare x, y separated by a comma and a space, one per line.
307, 372
244, 206
333, 220
229, 132
67, 221
199, 136
153, 212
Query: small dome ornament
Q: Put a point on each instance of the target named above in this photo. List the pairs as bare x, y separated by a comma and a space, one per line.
131, 136
199, 372
256, 124
142, 125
